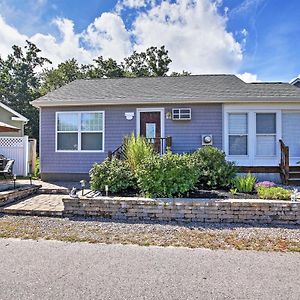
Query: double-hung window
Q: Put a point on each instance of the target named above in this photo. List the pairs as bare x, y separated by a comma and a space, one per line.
80, 131
265, 134
238, 133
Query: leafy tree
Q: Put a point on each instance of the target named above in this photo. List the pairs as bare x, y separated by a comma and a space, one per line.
183, 73
106, 68
136, 65
154, 62
64, 73
20, 82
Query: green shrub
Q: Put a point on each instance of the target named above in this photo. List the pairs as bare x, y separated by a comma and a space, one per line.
244, 184
136, 149
112, 172
167, 176
214, 171
274, 193
37, 168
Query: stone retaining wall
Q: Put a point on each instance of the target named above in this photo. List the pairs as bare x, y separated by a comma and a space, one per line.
9, 196
188, 210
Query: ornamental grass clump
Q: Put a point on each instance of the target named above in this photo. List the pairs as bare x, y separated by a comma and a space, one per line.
112, 172
274, 193
136, 149
244, 184
167, 176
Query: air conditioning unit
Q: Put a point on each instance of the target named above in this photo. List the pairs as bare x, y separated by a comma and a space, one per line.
207, 139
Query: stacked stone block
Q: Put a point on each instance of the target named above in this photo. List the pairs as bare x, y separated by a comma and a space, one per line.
225, 211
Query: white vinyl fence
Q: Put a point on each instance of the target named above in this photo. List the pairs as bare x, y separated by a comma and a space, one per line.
16, 148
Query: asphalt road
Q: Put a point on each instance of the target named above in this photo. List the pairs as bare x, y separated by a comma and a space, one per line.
57, 270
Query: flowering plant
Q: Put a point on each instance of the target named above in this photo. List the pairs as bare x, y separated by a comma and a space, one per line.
266, 184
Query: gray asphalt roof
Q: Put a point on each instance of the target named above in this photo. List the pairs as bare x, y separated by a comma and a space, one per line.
185, 89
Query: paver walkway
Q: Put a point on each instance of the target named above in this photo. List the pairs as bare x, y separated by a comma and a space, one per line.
38, 204
57, 185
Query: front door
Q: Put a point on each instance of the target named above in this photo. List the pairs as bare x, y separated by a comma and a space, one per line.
150, 127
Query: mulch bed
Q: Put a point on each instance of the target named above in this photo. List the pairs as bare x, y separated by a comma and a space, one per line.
197, 193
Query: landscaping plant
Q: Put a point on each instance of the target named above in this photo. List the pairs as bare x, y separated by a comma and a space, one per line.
136, 149
265, 184
112, 172
167, 176
214, 171
244, 184
274, 193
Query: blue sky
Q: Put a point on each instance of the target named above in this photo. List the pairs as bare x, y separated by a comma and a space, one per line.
258, 39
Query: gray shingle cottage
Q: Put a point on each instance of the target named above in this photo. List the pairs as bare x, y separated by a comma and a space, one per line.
82, 121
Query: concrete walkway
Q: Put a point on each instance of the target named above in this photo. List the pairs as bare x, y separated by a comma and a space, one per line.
58, 270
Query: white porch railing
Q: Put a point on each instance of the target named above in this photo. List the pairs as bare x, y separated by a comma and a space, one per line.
16, 148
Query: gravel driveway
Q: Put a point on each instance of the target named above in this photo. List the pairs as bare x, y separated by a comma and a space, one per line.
59, 270
212, 236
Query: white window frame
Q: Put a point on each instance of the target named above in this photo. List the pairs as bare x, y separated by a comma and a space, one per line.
79, 131
252, 159
245, 134
179, 112
266, 134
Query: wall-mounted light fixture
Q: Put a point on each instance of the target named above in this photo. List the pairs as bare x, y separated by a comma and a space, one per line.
129, 115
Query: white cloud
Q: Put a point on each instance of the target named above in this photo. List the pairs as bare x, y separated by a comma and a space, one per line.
134, 3
9, 36
67, 47
108, 36
248, 77
246, 5
194, 32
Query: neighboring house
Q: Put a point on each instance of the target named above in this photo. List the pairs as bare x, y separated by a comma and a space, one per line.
296, 82
84, 120
13, 142
11, 122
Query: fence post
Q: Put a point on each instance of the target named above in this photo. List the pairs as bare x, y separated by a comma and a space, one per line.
25, 149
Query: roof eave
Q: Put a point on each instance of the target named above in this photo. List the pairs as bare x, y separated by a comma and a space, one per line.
18, 116
45, 103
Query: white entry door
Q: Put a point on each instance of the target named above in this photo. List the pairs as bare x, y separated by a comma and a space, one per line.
291, 132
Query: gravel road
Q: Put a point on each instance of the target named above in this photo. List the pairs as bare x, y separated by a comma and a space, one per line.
60, 270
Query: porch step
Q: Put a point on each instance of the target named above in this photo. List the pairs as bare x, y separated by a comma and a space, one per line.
294, 175
295, 169
294, 181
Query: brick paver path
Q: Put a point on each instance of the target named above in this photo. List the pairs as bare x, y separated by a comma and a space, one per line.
41, 204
